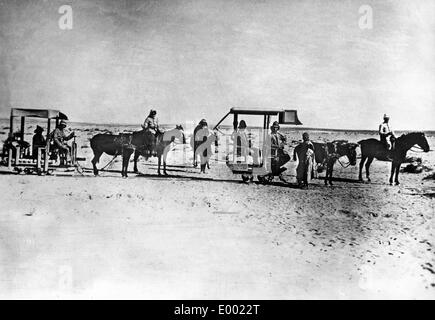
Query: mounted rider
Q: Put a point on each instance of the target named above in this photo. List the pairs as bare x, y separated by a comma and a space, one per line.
386, 134
151, 128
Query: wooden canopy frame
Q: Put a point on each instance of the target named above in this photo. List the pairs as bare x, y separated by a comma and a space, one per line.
266, 112
23, 113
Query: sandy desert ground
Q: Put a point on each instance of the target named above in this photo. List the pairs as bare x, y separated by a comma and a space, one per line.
209, 236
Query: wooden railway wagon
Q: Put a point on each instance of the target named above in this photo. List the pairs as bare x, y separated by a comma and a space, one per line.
238, 159
17, 153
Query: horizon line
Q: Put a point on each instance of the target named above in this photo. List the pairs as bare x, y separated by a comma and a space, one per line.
289, 126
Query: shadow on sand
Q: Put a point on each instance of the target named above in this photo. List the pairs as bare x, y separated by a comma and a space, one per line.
189, 177
202, 178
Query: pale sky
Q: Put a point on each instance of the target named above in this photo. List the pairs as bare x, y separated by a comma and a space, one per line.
196, 59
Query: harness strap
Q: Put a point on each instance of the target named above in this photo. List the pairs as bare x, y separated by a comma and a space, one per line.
333, 155
110, 162
344, 166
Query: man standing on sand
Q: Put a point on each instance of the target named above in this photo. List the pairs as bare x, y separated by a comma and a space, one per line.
305, 154
204, 138
386, 134
279, 156
194, 143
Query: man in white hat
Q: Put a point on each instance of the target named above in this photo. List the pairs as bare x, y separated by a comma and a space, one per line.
386, 133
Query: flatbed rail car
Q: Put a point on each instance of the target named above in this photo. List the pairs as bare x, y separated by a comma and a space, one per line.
238, 162
19, 157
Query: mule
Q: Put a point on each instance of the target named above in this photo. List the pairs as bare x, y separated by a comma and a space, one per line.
138, 142
328, 153
162, 147
374, 149
114, 145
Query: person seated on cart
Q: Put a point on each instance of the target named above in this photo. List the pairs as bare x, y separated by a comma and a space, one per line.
243, 143
38, 141
304, 153
279, 156
151, 128
12, 143
59, 138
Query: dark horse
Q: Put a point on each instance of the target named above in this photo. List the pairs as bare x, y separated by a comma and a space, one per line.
163, 145
373, 148
126, 144
326, 154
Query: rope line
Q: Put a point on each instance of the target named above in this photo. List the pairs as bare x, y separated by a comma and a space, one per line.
343, 165
110, 162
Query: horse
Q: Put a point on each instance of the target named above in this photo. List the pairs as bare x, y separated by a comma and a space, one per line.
114, 145
328, 153
127, 144
375, 149
163, 144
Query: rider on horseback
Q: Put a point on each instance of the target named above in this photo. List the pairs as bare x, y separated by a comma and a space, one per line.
151, 127
386, 134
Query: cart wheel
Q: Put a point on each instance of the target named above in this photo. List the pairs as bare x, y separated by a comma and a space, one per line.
246, 178
261, 179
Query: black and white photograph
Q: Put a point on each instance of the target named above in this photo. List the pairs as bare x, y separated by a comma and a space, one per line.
217, 150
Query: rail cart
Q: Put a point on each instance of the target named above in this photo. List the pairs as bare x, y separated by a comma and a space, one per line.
239, 159
18, 157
